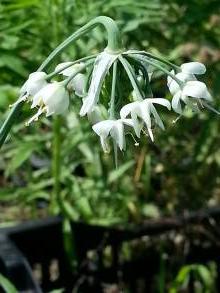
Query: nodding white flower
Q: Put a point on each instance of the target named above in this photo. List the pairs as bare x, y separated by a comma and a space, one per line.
102, 65
78, 83
35, 82
51, 99
191, 87
143, 110
114, 128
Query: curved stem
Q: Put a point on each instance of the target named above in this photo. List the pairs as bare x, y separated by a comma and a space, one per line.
113, 35
112, 101
131, 76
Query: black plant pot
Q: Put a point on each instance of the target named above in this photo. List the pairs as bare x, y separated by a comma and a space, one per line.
33, 257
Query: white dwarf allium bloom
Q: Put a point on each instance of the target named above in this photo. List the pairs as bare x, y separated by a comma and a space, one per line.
114, 128
51, 99
102, 65
143, 110
35, 82
78, 83
192, 90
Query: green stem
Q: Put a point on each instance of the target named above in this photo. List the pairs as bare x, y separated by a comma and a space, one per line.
6, 126
131, 76
51, 75
56, 160
114, 45
180, 83
112, 101
150, 55
113, 36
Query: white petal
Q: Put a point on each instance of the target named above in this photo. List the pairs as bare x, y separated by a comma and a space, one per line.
160, 101
104, 144
137, 125
63, 65
150, 133
127, 109
184, 77
36, 81
143, 112
117, 133
197, 89
78, 84
193, 68
157, 118
37, 100
176, 104
102, 65
103, 128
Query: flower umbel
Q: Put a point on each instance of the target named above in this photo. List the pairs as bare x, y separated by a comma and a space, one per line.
108, 82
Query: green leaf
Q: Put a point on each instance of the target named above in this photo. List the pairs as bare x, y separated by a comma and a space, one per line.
20, 155
13, 63
205, 275
120, 171
7, 286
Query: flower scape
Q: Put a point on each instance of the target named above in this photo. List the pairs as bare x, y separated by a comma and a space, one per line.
125, 75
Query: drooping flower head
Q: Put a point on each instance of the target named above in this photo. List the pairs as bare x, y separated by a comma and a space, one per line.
123, 80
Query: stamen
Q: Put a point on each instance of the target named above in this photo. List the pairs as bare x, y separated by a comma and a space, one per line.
35, 117
174, 121
21, 99
136, 142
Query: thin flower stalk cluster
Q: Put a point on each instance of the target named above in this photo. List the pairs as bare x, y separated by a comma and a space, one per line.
118, 81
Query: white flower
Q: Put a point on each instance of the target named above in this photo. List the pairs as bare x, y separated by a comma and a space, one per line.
35, 82
78, 83
191, 87
102, 65
114, 128
143, 110
51, 99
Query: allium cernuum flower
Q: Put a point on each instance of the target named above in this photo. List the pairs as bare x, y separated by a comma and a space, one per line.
51, 99
142, 110
114, 128
35, 82
78, 83
192, 91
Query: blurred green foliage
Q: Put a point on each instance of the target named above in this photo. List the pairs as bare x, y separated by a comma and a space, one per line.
180, 171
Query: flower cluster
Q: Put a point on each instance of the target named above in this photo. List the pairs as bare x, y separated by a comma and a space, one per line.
119, 82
